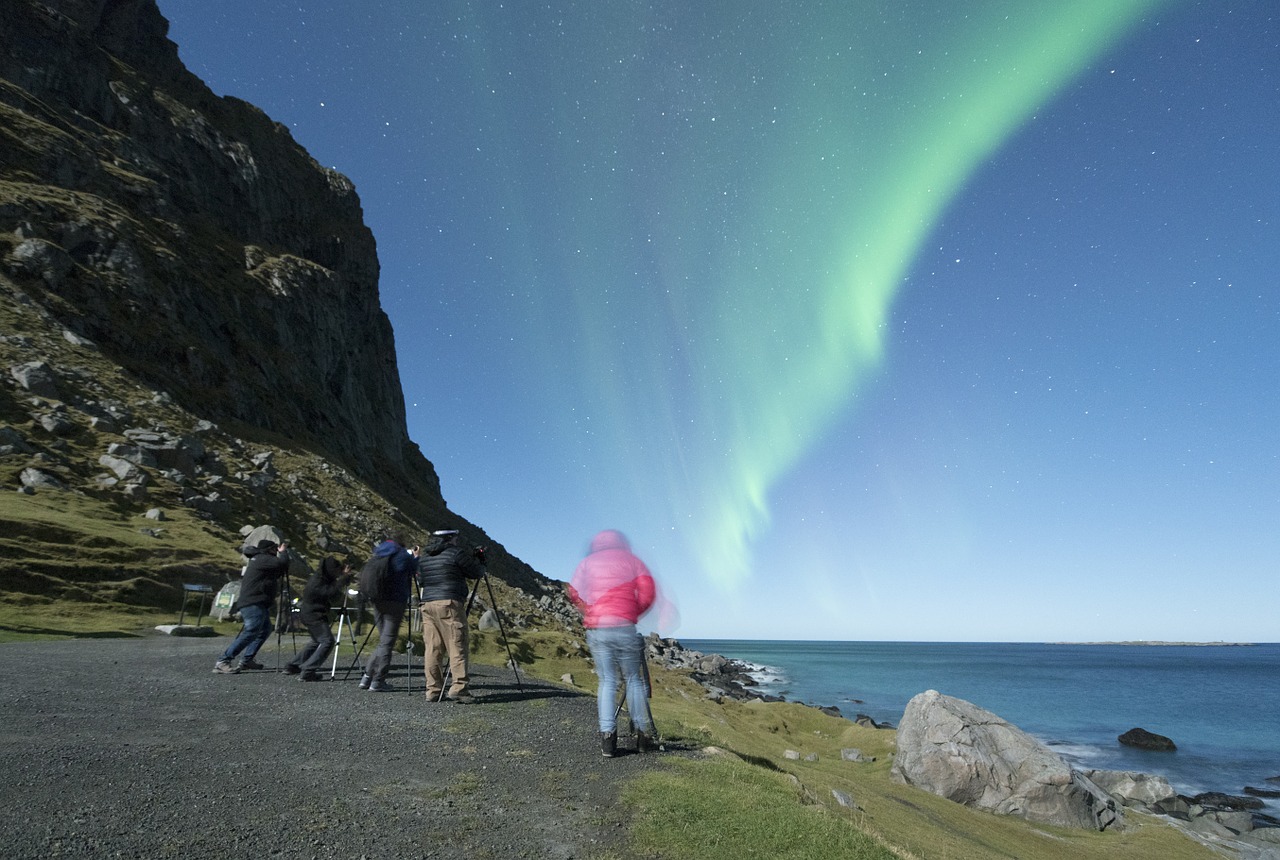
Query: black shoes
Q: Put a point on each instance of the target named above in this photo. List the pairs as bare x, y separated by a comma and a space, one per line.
644, 743
251, 664
291, 669
307, 676
608, 744
463, 699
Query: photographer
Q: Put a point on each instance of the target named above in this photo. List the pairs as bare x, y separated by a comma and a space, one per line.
317, 596
444, 567
389, 600
267, 565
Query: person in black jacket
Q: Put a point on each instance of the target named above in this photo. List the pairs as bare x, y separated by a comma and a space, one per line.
258, 592
444, 567
317, 596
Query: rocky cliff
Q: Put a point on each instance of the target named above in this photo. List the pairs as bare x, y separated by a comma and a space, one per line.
189, 310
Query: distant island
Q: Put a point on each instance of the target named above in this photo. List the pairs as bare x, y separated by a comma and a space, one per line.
1156, 642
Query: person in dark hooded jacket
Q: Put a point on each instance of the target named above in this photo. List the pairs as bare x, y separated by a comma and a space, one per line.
258, 592
317, 596
388, 610
444, 567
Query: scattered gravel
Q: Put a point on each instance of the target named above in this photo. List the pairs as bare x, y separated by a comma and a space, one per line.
134, 748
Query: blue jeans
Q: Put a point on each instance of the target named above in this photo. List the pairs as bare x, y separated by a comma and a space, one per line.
619, 651
257, 628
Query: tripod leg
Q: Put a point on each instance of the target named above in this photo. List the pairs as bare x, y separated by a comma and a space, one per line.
503, 630
359, 651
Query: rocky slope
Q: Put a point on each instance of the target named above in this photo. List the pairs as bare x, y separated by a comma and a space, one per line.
189, 318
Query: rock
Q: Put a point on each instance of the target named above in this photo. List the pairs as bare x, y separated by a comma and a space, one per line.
11, 442
57, 424
489, 621
959, 751
1145, 740
868, 722
844, 799
1261, 792
567, 678
123, 469
791, 755
854, 755
1141, 790
35, 479
1218, 800
38, 378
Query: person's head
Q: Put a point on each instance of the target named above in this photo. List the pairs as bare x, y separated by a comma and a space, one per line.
609, 539
267, 545
398, 538
448, 537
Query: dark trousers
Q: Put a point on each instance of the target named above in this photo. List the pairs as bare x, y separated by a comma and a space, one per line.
313, 655
387, 616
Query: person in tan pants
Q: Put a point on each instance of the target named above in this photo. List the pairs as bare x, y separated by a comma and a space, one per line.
444, 566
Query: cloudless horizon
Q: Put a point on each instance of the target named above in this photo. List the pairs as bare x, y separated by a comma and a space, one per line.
913, 322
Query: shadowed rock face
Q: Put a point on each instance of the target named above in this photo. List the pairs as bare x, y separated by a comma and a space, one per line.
191, 238
959, 751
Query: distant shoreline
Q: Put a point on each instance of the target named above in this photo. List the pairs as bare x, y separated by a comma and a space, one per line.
1156, 642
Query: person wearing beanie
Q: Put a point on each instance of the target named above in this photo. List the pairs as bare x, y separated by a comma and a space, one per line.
258, 592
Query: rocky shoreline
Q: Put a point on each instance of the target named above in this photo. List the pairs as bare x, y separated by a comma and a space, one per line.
1214, 817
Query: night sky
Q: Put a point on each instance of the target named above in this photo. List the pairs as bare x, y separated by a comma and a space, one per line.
864, 320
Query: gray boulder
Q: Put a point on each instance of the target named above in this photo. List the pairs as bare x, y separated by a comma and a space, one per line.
36, 377
1140, 790
959, 751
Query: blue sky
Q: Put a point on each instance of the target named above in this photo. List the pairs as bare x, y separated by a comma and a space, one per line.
896, 321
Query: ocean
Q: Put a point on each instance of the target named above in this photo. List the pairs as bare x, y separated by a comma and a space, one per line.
1219, 704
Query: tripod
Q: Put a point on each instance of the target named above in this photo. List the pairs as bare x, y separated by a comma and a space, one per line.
493, 602
351, 631
284, 615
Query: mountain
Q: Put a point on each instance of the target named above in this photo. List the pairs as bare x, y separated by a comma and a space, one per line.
191, 339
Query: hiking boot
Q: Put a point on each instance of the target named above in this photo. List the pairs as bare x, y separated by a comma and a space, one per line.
380, 687
225, 667
308, 676
608, 744
290, 669
364, 682
433, 698
463, 698
644, 743
251, 664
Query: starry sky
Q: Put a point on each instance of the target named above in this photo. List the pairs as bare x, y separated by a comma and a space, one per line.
911, 320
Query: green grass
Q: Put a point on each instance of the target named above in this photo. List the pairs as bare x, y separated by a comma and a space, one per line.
726, 808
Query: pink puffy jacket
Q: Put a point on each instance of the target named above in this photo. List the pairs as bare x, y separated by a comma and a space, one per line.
611, 586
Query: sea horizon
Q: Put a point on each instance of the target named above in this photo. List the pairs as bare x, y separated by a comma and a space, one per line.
1216, 703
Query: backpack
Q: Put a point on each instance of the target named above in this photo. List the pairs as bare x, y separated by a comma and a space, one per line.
373, 577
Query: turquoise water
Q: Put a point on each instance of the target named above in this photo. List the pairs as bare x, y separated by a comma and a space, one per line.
1220, 705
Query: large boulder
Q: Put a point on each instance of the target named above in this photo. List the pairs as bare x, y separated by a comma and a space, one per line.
959, 751
1140, 790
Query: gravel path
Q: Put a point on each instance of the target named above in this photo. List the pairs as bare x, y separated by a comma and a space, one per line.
133, 748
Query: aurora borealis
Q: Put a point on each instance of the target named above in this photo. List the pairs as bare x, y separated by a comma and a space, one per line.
829, 308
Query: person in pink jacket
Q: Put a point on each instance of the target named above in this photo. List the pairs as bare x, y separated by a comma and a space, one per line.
613, 589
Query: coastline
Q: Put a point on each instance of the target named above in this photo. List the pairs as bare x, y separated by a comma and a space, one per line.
1206, 793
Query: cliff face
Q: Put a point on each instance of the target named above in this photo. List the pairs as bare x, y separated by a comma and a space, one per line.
190, 236
190, 328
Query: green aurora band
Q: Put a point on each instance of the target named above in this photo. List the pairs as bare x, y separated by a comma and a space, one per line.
735, 208
792, 373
